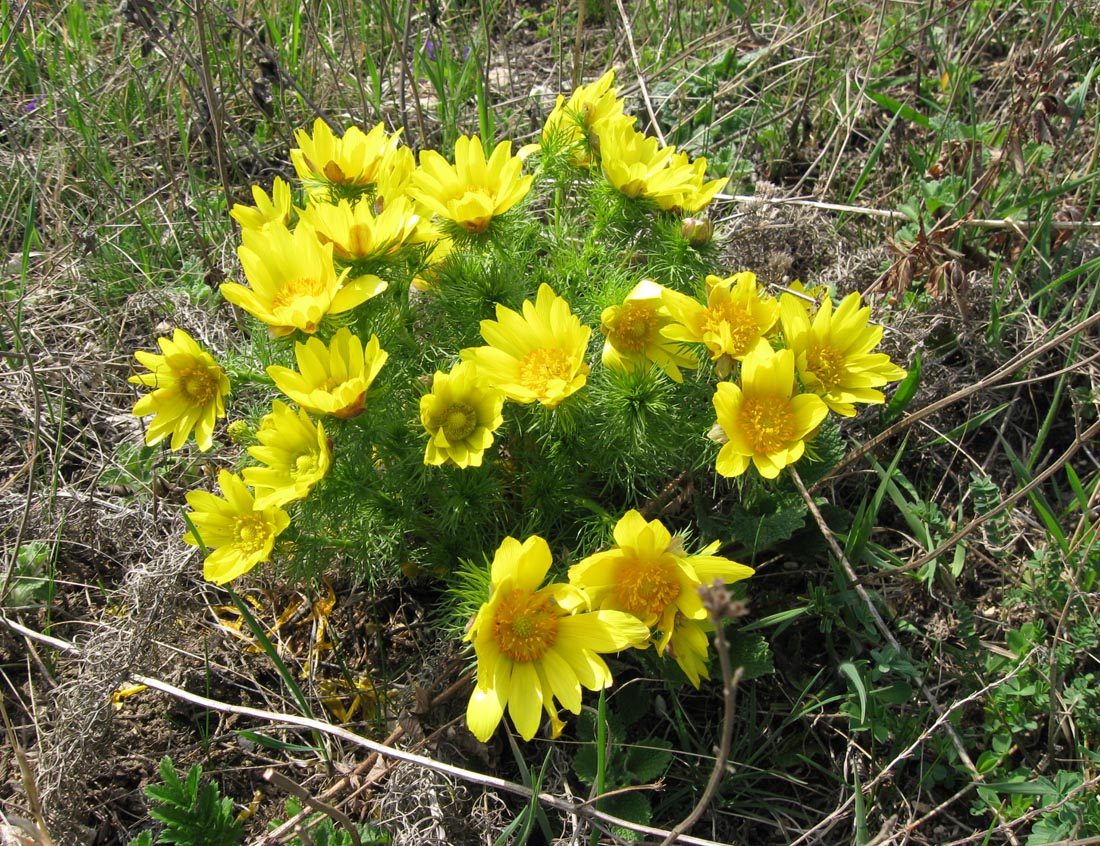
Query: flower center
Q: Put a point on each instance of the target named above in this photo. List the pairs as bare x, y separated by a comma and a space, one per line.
733, 325
251, 533
352, 408
826, 363
525, 625
644, 587
305, 466
459, 421
197, 385
634, 328
768, 423
353, 404
485, 200
296, 289
475, 225
540, 366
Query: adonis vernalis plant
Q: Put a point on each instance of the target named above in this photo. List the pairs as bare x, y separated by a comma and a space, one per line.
487, 346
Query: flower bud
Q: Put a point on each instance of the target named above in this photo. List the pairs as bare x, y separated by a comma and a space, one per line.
697, 231
241, 433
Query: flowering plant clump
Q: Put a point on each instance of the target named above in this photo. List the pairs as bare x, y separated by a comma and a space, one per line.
477, 345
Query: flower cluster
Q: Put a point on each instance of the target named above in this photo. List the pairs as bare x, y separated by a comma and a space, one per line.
462, 347
368, 210
540, 644
594, 132
794, 368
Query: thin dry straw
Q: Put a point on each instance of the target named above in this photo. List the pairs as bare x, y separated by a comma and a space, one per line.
887, 214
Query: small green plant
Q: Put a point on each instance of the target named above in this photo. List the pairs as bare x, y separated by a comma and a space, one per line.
30, 581
1074, 810
607, 763
193, 811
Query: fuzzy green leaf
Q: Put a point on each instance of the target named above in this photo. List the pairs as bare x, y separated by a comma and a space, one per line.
648, 761
764, 527
633, 806
750, 652
584, 763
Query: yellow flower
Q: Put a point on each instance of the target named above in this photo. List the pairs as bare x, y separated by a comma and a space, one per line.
473, 190
293, 284
762, 421
331, 379
701, 192
636, 164
577, 123
296, 455
240, 535
538, 355
358, 234
688, 645
268, 210
833, 353
531, 650
189, 390
639, 167
356, 160
732, 322
648, 574
634, 337
461, 414
393, 179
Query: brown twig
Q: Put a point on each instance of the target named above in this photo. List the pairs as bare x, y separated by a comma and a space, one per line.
716, 601
215, 110
888, 214
364, 766
578, 42
409, 757
638, 72
289, 786
30, 787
